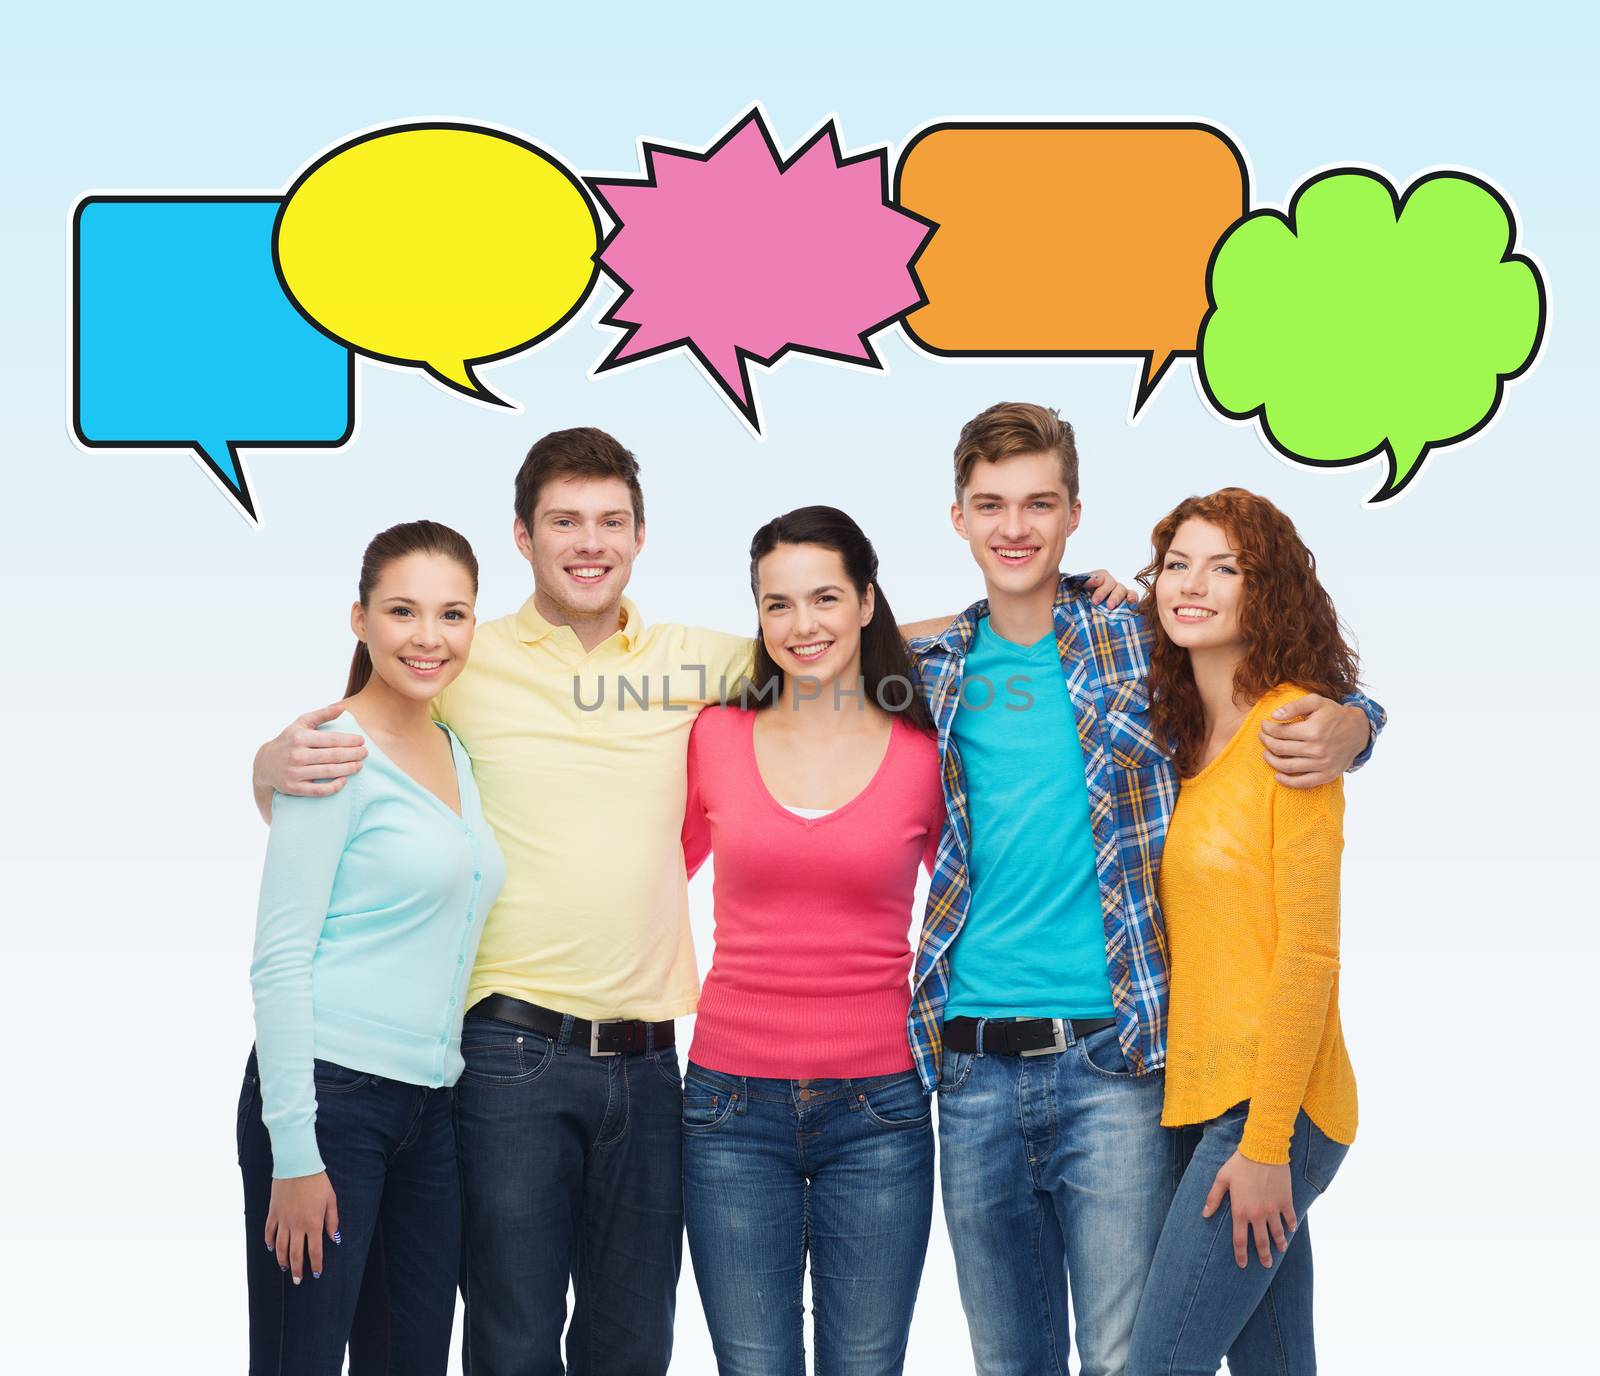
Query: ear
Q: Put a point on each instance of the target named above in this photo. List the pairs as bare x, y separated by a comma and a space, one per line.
869, 603
1073, 517
519, 533
358, 621
958, 520
638, 541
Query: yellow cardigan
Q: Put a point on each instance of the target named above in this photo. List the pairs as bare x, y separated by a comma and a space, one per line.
1250, 894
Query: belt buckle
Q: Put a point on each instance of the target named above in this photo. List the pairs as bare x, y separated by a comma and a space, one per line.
594, 1036
1057, 1042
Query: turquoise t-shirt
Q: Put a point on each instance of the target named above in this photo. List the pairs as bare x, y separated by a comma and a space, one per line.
1034, 944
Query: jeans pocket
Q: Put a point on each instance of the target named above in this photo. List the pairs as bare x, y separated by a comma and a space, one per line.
666, 1064
1101, 1053
331, 1078
706, 1107
896, 1104
1324, 1156
498, 1054
247, 1098
954, 1068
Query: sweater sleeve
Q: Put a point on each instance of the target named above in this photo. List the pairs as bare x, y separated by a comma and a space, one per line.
696, 825
308, 840
1377, 719
1307, 839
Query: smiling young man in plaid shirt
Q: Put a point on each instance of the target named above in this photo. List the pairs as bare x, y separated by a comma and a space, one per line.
1040, 984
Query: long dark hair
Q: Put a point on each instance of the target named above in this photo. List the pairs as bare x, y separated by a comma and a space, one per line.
1291, 631
886, 671
411, 537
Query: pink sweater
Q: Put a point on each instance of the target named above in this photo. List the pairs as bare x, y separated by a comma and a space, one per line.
809, 977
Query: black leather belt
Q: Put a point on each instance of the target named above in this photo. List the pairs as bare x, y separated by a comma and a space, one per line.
1021, 1036
614, 1037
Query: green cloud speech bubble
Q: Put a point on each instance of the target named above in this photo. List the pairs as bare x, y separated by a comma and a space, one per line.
1364, 323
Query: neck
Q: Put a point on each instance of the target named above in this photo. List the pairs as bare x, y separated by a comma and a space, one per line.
809, 706
590, 630
1213, 676
380, 708
1023, 618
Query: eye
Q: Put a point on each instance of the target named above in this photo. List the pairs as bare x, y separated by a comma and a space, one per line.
459, 616
400, 611
1226, 568
562, 521
1176, 564
614, 524
828, 597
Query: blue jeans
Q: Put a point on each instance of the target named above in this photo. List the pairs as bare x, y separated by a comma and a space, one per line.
571, 1168
391, 1158
1055, 1170
1199, 1305
776, 1169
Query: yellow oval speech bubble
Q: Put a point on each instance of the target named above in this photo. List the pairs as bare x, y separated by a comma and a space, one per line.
441, 246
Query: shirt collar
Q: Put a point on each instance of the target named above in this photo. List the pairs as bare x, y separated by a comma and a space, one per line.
532, 627
957, 637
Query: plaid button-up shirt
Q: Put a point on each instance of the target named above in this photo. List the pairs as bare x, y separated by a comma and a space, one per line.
1132, 787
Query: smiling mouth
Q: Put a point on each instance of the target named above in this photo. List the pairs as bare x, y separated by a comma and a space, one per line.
422, 666
587, 573
1193, 613
1015, 554
813, 650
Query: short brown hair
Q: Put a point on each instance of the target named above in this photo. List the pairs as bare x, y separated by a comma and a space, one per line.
584, 452
1009, 428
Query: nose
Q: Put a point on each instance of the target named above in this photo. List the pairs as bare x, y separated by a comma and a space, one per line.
426, 632
1194, 583
1015, 524
589, 541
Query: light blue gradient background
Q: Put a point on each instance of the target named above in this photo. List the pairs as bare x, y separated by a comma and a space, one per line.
156, 639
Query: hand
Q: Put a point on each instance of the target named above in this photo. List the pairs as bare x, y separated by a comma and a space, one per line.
1107, 591
302, 1209
1313, 740
295, 760
1262, 1199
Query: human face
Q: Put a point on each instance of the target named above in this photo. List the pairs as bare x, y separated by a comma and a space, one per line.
1016, 516
1200, 589
811, 614
582, 546
418, 623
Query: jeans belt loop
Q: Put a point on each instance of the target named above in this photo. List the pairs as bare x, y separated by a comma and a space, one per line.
564, 1036
978, 1034
1057, 1043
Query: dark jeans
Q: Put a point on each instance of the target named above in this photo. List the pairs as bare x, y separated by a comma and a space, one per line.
389, 1149
1199, 1304
570, 1169
776, 1169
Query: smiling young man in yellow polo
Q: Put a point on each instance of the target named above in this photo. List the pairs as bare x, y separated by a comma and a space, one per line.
577, 717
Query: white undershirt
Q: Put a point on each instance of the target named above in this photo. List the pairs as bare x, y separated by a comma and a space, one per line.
809, 812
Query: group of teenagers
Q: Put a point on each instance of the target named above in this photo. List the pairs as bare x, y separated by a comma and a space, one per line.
473, 940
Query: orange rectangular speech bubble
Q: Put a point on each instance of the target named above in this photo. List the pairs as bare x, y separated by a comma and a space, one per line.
1069, 240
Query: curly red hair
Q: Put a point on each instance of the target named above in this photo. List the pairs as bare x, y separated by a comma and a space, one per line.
1290, 629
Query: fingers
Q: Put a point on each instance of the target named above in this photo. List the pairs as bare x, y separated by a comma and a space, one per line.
281, 1245
314, 1251
1219, 1188
297, 1253
1300, 707
333, 1219
1280, 1234
312, 790
320, 751
1241, 1239
1309, 779
1263, 1241
322, 714
1288, 735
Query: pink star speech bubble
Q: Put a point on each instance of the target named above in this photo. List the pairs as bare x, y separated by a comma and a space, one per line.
738, 255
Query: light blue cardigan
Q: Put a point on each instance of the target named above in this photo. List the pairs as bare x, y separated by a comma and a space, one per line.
372, 900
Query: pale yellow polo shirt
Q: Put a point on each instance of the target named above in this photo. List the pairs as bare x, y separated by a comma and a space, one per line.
580, 761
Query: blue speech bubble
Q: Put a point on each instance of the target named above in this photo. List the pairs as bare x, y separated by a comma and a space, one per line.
185, 339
